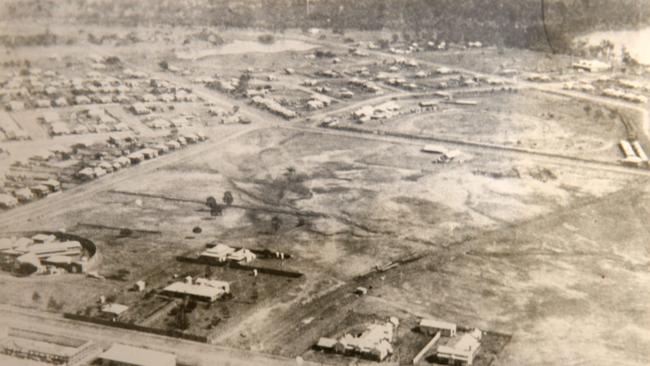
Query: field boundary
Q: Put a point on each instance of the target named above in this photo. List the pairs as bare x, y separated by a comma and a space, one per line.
164, 332
235, 265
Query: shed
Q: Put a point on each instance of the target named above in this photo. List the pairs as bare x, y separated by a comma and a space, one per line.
86, 173
432, 326
326, 343
59, 128
24, 195
7, 201
50, 117
40, 190
140, 286
15, 105
53, 185
114, 309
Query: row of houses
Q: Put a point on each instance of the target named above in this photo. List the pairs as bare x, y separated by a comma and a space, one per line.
273, 107
39, 189
141, 109
160, 123
627, 96
31, 91
318, 101
366, 85
106, 167
45, 171
380, 111
579, 86
91, 120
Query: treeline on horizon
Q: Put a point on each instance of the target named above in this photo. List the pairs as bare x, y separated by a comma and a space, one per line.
534, 24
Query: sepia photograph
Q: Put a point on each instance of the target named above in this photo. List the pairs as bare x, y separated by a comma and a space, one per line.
324, 182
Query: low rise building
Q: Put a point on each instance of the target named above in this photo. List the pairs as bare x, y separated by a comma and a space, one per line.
15, 105
461, 350
224, 253
591, 65
139, 109
113, 310
374, 343
23, 195
273, 107
47, 348
201, 290
432, 326
123, 355
8, 201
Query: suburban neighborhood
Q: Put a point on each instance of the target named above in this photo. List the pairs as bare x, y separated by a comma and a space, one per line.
322, 182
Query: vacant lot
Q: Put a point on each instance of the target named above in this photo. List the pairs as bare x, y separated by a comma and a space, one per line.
493, 60
526, 119
555, 282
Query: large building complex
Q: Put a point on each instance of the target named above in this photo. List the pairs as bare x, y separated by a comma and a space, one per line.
47, 348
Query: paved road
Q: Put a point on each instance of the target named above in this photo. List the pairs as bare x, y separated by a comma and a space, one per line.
188, 352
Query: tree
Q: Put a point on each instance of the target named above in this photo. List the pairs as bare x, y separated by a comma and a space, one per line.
228, 198
215, 208
276, 222
180, 320
52, 304
627, 58
290, 173
216, 211
266, 38
164, 65
113, 60
36, 297
244, 80
208, 271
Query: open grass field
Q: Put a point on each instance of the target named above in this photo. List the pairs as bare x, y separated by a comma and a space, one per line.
526, 119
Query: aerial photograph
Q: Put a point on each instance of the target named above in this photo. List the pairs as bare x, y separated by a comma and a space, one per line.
324, 182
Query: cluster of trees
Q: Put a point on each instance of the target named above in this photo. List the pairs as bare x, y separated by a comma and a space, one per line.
45, 38
520, 23
216, 209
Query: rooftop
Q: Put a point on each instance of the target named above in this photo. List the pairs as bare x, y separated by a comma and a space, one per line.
433, 323
138, 356
195, 290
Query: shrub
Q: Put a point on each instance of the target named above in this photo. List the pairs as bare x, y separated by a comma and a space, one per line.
266, 39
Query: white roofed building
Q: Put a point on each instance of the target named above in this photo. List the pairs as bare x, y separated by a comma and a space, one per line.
432, 326
202, 289
462, 350
123, 355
